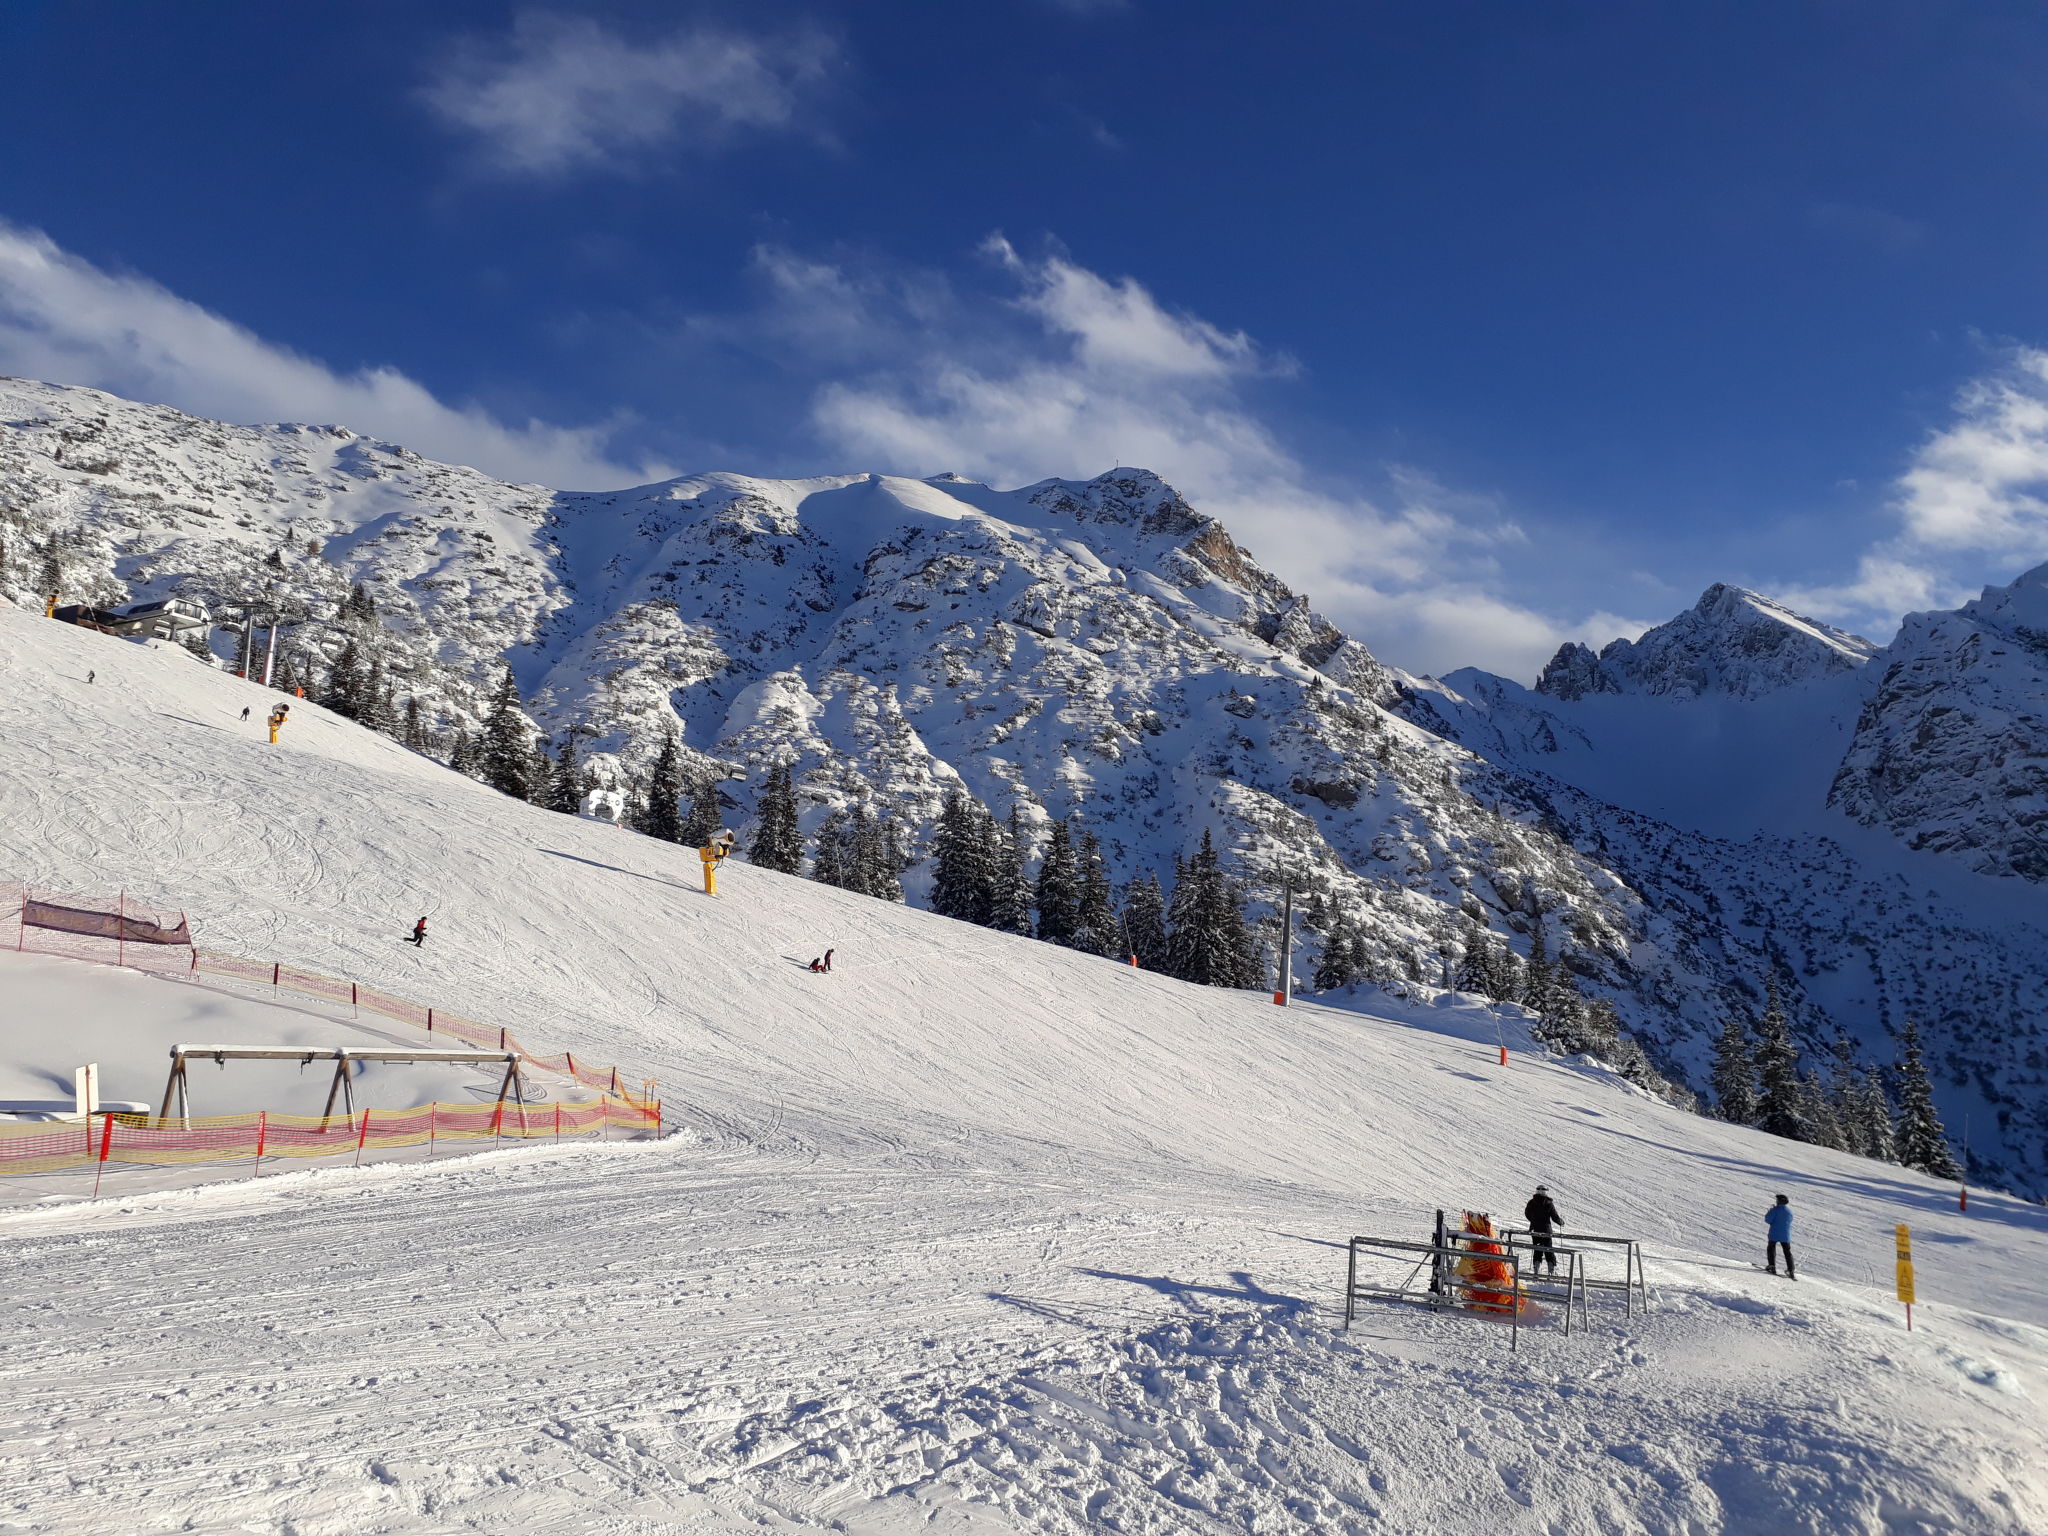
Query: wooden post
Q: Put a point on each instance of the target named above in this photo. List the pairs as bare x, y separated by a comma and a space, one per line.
334, 1090
1283, 987
121, 931
433, 1114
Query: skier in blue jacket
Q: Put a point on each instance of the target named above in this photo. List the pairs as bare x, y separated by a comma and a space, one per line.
1778, 1224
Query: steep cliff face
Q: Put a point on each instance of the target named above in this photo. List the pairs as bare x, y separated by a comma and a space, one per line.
1951, 750
1096, 649
1732, 642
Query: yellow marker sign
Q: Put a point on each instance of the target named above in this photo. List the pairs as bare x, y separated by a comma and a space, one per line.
1905, 1270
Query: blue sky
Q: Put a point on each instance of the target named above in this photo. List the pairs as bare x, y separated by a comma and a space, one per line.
1486, 325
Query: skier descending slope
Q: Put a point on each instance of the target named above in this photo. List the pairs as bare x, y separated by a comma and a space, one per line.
419, 935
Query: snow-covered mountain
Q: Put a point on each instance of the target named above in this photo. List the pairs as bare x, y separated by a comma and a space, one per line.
1100, 649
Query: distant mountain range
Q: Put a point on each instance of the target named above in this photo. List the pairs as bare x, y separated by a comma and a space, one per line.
1740, 791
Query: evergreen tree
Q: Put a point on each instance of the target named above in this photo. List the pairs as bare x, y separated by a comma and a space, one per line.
373, 706
1818, 1110
706, 817
359, 606
413, 733
566, 786
963, 885
1096, 929
53, 576
507, 758
1011, 894
886, 863
464, 756
1922, 1142
1145, 921
1059, 887
344, 691
1781, 1106
1734, 1074
829, 866
661, 816
199, 645
1337, 965
778, 839
1207, 942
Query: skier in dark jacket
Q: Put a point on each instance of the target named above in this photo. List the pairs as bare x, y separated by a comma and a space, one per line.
419, 934
1544, 1218
828, 959
1778, 1229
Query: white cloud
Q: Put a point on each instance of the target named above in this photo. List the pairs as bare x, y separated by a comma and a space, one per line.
1976, 491
1072, 373
562, 92
64, 320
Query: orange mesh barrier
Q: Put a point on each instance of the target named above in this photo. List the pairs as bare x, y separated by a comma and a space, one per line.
141, 937
52, 1146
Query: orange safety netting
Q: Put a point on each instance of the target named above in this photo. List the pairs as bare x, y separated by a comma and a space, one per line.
119, 931
51, 1146
1489, 1281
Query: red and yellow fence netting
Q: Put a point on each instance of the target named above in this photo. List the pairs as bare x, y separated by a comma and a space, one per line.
122, 932
52, 1146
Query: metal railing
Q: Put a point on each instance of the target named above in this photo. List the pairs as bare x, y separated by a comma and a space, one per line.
1445, 1286
1633, 1284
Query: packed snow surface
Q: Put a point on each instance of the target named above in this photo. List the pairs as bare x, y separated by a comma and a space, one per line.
973, 1235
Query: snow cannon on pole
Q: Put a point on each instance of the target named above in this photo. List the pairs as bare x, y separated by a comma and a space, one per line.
713, 854
278, 716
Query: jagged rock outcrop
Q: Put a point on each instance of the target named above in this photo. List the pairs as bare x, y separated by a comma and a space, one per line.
1951, 749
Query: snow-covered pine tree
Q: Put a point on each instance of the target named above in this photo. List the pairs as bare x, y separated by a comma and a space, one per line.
1819, 1111
778, 839
1207, 942
413, 733
507, 756
344, 691
463, 755
961, 887
1058, 897
661, 815
829, 865
359, 606
885, 878
1096, 928
1734, 1073
862, 853
199, 645
1335, 966
1781, 1106
372, 705
1011, 895
1922, 1141
1145, 921
566, 784
706, 817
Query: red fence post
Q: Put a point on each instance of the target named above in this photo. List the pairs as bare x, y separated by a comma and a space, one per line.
262, 1132
362, 1136
430, 1021
121, 931
558, 1119
276, 970
433, 1114
106, 1144
604, 1114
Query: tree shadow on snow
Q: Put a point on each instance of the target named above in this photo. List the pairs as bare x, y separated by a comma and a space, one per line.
1080, 1314
655, 879
1876, 1188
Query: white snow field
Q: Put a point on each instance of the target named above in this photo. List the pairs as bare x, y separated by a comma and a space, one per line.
975, 1235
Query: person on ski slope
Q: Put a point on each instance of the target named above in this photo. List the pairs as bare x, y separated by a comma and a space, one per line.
1778, 1228
828, 960
245, 714
90, 675
419, 934
1544, 1218
818, 965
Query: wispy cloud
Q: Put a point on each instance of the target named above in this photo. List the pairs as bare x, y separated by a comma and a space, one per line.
1064, 371
1976, 488
562, 93
65, 320
1863, 224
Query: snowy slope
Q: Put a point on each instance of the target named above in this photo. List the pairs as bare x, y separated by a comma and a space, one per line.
975, 1235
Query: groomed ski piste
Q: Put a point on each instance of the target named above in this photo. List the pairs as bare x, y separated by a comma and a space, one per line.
974, 1235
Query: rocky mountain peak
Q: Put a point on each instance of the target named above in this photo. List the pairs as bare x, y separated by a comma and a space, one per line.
1732, 641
